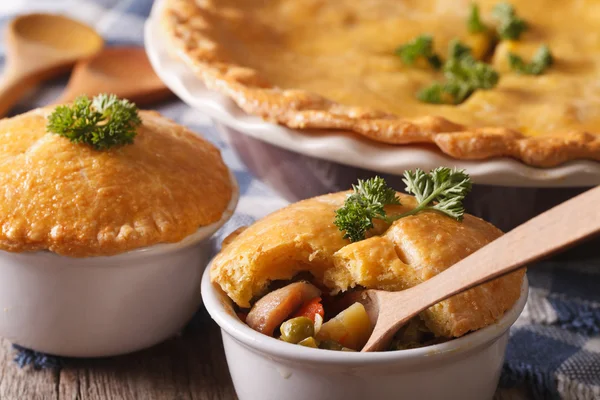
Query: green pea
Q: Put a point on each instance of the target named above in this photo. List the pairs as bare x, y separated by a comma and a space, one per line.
309, 342
330, 345
297, 329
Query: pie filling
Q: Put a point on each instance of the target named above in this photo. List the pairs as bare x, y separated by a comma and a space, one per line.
300, 313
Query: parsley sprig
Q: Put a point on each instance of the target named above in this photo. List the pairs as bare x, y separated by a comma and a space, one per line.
419, 47
103, 122
510, 26
541, 60
474, 23
441, 190
363, 205
464, 75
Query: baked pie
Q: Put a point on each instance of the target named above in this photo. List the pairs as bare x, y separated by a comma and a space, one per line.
302, 244
74, 200
335, 65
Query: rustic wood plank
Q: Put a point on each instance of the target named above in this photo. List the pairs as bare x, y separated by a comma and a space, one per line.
517, 393
17, 384
188, 367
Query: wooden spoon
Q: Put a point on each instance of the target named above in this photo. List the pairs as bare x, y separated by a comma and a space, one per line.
546, 234
40, 46
124, 71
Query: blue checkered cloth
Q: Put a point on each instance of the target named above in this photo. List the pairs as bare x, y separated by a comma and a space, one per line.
554, 348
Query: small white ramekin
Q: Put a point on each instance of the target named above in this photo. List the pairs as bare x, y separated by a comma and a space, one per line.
104, 306
268, 369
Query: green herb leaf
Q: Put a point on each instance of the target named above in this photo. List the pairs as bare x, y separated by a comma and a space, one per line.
433, 94
474, 23
367, 202
442, 190
102, 123
542, 59
457, 50
376, 191
464, 75
510, 25
469, 71
420, 47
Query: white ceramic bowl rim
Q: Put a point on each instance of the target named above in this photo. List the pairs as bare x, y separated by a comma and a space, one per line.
214, 299
204, 232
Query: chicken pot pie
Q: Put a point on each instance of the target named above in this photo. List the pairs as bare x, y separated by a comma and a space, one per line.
334, 65
301, 243
73, 200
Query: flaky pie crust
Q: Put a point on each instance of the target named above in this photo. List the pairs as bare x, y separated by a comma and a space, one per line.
189, 26
76, 201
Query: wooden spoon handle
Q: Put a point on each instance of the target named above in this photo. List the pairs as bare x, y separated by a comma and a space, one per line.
15, 83
11, 91
542, 236
548, 233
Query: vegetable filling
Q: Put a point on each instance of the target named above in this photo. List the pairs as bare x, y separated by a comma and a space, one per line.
295, 314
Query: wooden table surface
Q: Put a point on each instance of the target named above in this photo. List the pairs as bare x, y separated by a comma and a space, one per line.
188, 367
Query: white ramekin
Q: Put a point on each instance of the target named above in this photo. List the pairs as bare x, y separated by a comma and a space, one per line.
104, 306
268, 369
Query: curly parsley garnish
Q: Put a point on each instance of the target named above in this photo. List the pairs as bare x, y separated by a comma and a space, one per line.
542, 59
364, 205
102, 123
474, 23
457, 50
464, 75
510, 25
442, 190
419, 47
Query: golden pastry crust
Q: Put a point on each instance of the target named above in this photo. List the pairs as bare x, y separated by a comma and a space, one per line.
302, 237
75, 201
225, 42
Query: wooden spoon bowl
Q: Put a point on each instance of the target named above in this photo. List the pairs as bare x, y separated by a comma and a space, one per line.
55, 32
124, 71
40, 46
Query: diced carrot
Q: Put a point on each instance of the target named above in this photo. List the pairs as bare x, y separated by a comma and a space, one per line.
311, 308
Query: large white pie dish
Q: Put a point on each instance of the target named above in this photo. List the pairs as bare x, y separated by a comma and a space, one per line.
343, 147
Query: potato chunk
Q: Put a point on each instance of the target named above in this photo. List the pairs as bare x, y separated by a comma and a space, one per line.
351, 328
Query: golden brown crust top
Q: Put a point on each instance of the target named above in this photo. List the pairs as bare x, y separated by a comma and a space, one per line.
311, 64
75, 201
302, 237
